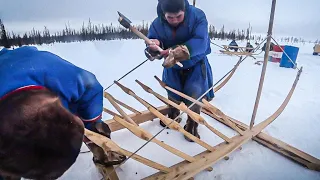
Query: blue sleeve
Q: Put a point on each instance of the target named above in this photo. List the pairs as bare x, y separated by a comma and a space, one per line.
152, 33
90, 104
197, 45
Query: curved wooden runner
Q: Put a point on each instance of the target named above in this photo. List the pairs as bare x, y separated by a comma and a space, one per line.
189, 170
218, 87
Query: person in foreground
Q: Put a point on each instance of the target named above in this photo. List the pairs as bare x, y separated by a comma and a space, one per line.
182, 30
45, 104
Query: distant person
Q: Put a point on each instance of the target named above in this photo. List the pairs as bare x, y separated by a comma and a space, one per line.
316, 49
249, 47
233, 43
45, 104
182, 30
265, 45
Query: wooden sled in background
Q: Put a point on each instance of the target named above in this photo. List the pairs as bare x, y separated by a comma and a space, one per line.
191, 165
241, 51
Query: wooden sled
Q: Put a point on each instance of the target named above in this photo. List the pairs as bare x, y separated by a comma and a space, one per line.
191, 165
241, 51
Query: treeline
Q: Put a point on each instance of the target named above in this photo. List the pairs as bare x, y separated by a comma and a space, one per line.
91, 32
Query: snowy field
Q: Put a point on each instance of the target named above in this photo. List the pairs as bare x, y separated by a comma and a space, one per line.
298, 125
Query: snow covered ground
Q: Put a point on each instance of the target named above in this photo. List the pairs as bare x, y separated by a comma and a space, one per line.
298, 125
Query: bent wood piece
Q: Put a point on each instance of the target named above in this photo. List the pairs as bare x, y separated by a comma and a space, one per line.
218, 87
126, 106
143, 134
107, 144
167, 121
196, 117
197, 102
192, 169
137, 118
277, 145
115, 105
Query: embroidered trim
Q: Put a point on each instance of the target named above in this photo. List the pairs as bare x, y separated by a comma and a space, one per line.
93, 119
25, 88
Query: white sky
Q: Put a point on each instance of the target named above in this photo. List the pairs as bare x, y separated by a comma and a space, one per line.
293, 17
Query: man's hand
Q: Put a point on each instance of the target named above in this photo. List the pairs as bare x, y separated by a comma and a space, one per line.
155, 43
165, 53
177, 54
152, 51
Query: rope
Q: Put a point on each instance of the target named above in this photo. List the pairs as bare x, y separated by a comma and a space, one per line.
177, 116
127, 73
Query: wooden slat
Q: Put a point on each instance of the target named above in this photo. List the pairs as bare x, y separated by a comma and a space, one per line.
137, 118
182, 107
206, 104
126, 106
167, 121
116, 106
204, 160
111, 112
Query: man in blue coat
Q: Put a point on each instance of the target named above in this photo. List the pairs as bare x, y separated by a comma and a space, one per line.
182, 30
45, 104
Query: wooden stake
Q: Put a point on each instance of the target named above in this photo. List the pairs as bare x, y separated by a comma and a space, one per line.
111, 112
115, 105
196, 117
265, 62
137, 118
126, 106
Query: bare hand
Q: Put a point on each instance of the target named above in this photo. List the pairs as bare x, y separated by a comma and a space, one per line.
165, 53
154, 44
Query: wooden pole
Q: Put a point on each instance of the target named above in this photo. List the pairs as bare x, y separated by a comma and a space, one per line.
266, 56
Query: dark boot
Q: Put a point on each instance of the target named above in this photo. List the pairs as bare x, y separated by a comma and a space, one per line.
173, 112
192, 126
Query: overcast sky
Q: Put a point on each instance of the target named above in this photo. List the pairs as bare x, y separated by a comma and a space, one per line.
293, 17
